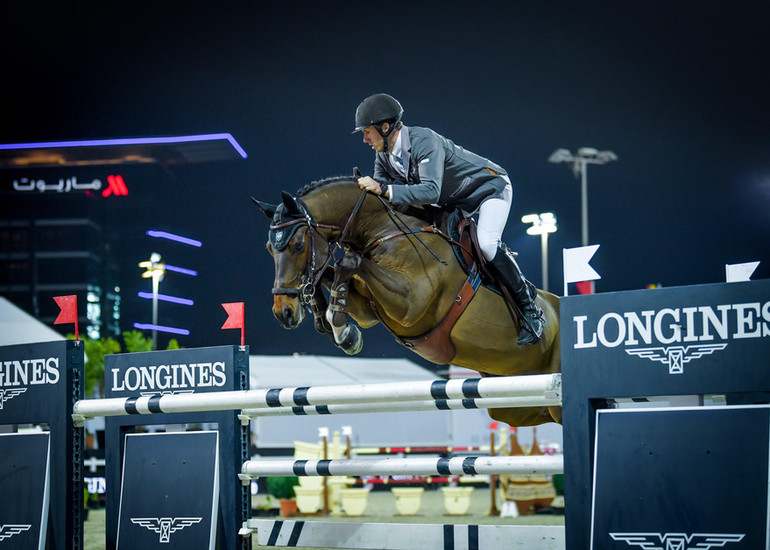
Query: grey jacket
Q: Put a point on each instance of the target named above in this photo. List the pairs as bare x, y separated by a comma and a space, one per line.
438, 172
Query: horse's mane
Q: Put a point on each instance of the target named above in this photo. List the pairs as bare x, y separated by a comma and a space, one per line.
312, 186
425, 213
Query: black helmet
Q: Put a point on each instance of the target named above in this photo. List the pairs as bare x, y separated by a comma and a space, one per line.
376, 109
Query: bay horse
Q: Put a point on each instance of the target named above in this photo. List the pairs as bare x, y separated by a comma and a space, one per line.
397, 271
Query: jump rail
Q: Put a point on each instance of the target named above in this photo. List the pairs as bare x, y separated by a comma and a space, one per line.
471, 465
541, 385
428, 405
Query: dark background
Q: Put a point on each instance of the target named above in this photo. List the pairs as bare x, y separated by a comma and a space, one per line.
678, 90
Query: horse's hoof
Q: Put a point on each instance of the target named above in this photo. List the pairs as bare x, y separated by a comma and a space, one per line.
353, 342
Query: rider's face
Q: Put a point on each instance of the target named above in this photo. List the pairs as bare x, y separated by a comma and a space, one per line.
373, 138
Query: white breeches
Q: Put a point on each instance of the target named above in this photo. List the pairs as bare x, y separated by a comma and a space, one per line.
493, 215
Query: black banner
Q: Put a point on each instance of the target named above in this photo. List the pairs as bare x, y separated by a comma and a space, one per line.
159, 505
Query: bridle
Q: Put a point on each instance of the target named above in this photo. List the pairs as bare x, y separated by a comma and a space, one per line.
306, 292
313, 272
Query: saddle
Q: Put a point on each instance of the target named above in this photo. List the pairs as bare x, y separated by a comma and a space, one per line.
435, 345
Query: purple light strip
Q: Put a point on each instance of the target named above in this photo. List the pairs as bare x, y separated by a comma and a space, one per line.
172, 237
166, 298
128, 141
161, 328
182, 270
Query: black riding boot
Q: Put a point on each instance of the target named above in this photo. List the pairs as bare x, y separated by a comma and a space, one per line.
524, 293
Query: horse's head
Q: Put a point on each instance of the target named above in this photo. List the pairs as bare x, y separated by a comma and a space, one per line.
300, 253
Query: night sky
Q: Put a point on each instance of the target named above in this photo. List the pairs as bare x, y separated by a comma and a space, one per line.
678, 90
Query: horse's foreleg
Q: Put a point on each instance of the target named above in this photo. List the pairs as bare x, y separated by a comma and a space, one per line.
346, 335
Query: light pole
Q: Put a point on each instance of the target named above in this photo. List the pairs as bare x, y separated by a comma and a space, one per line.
155, 270
542, 224
580, 162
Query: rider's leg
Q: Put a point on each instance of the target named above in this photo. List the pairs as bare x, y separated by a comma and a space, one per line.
493, 214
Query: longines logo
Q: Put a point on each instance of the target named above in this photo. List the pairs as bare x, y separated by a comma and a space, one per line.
162, 393
165, 527
7, 395
676, 356
676, 541
160, 378
29, 372
675, 336
7, 531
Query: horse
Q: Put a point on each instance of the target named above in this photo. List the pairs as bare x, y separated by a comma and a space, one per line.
399, 272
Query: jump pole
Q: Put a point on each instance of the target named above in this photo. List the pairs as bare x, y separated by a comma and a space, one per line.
402, 406
471, 465
548, 385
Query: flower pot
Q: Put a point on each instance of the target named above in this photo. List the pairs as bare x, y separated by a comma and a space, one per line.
309, 499
288, 507
457, 500
408, 500
354, 501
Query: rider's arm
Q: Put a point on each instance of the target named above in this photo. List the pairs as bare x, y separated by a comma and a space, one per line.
428, 153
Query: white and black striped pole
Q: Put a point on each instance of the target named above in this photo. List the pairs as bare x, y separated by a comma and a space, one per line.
469, 465
541, 385
401, 406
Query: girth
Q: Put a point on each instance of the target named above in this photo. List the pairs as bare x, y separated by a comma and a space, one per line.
436, 345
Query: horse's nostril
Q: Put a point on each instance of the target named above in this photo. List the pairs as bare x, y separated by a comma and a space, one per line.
287, 314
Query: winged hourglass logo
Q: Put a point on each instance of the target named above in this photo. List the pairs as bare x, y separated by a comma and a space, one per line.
676, 541
165, 526
676, 356
7, 531
7, 395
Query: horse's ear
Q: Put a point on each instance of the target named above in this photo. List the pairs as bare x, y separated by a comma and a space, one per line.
290, 203
268, 209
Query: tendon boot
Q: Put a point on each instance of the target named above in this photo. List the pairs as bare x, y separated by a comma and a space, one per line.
524, 294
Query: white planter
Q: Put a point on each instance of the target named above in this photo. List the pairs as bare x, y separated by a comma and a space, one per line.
309, 499
457, 500
408, 500
354, 501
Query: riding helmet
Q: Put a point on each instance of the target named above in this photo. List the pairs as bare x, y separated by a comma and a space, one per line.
376, 109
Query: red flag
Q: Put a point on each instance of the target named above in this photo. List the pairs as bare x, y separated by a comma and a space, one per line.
235, 317
585, 287
69, 311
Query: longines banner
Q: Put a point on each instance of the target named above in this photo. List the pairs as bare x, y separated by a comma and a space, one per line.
690, 478
168, 372
159, 505
156, 373
25, 486
666, 338
29, 380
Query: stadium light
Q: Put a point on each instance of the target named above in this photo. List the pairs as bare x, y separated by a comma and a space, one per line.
543, 225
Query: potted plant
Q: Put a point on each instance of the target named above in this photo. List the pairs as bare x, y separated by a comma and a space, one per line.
282, 488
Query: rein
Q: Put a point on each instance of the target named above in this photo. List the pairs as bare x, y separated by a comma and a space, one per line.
313, 273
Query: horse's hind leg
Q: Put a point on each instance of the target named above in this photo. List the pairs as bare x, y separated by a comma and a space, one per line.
346, 335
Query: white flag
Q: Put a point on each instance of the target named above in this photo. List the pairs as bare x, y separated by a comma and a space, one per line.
736, 273
576, 266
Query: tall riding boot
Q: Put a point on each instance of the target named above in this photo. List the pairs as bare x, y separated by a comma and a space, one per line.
524, 293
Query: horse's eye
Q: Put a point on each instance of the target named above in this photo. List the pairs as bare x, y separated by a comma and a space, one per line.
298, 245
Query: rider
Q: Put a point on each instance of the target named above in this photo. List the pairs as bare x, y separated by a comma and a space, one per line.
416, 165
